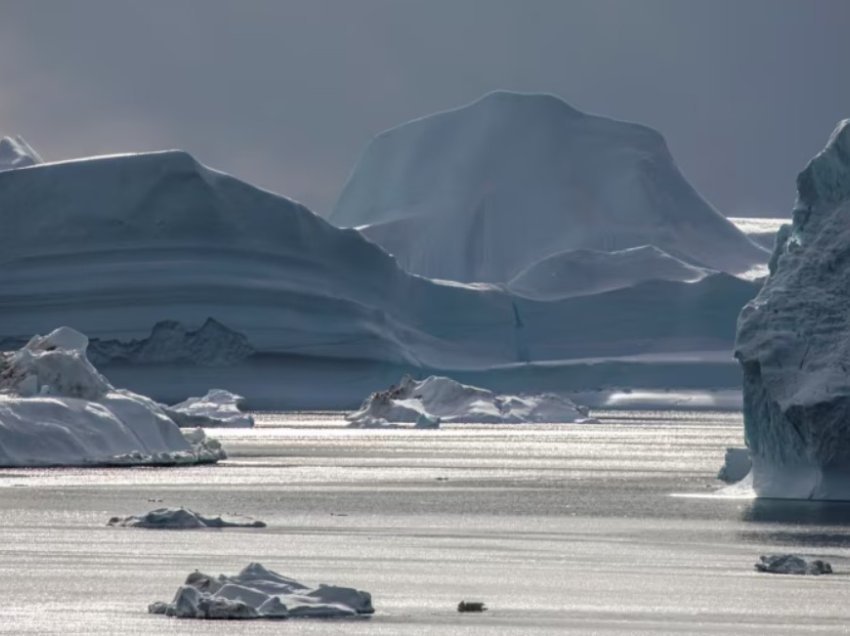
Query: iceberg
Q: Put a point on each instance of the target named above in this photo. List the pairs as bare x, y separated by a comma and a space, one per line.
180, 519
218, 408
186, 278
17, 153
260, 593
483, 192
56, 409
793, 342
438, 399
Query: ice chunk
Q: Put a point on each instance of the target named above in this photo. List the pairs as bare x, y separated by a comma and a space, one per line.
218, 408
792, 564
736, 465
180, 519
257, 592
439, 399
57, 410
793, 342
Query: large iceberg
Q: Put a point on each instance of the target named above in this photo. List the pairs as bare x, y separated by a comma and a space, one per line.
793, 342
57, 410
257, 592
438, 399
482, 192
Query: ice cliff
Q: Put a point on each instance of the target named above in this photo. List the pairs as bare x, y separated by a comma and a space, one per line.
793, 342
482, 192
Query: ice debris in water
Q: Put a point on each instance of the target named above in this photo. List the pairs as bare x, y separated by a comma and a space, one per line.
792, 564
260, 593
438, 399
181, 519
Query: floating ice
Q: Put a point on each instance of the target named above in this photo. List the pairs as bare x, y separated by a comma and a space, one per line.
218, 408
793, 342
438, 399
792, 564
260, 593
180, 519
57, 410
736, 465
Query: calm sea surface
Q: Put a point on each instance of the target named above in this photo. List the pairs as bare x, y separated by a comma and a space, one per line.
606, 528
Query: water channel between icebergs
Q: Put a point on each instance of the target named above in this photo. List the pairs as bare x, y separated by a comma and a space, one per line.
559, 529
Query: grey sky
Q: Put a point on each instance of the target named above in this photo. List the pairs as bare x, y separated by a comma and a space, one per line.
285, 93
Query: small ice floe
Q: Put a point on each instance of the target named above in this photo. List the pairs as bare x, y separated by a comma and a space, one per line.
181, 519
792, 564
217, 409
471, 606
736, 465
260, 593
437, 399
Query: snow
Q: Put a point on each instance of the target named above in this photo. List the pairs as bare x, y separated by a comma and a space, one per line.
260, 593
483, 192
17, 153
57, 410
736, 465
216, 409
180, 519
439, 399
581, 272
793, 342
761, 230
792, 564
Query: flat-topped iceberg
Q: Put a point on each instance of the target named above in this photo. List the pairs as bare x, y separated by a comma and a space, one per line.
218, 408
260, 593
437, 399
793, 342
180, 519
57, 410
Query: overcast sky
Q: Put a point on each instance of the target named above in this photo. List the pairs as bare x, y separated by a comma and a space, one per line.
285, 93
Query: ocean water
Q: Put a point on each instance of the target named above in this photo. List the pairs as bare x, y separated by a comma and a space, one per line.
609, 528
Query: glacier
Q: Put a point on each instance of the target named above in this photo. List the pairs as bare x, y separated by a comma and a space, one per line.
257, 592
482, 192
793, 342
185, 278
438, 399
56, 409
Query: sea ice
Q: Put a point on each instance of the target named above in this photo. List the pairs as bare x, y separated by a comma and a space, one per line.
793, 342
57, 410
438, 399
260, 593
218, 408
180, 519
792, 564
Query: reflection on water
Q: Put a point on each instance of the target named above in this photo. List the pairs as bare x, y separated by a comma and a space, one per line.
823, 523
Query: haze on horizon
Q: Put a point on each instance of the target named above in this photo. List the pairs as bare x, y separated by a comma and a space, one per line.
287, 94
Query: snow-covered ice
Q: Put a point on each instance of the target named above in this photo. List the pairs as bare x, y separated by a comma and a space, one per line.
792, 564
260, 593
17, 153
482, 192
57, 410
181, 519
793, 342
217, 408
438, 399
